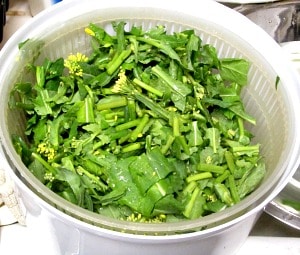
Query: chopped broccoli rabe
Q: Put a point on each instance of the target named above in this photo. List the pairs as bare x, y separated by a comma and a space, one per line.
149, 127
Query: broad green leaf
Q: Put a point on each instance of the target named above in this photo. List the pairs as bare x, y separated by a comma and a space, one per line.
235, 70
252, 181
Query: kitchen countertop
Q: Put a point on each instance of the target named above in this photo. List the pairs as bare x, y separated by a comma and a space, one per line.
17, 15
269, 236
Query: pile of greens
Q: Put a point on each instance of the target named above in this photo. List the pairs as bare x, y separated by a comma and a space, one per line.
149, 127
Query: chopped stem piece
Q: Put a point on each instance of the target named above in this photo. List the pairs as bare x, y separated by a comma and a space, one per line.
211, 168
114, 102
168, 144
147, 87
132, 147
117, 61
128, 125
137, 132
200, 176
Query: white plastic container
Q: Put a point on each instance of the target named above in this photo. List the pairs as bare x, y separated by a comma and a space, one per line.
78, 231
281, 21
36, 6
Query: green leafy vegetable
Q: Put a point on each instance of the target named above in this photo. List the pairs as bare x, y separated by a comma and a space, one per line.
292, 203
149, 127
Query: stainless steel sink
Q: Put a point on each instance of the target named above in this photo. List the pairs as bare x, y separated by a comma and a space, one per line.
281, 19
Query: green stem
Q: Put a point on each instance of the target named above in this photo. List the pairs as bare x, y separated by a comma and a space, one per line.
210, 168
114, 115
241, 126
230, 161
166, 147
233, 189
138, 131
190, 187
183, 144
117, 61
148, 143
86, 112
246, 149
189, 206
97, 145
221, 178
199, 116
40, 76
223, 193
124, 138
164, 47
112, 136
176, 126
131, 147
107, 91
176, 85
112, 102
92, 177
128, 125
200, 176
54, 135
44, 163
147, 87
131, 109
161, 112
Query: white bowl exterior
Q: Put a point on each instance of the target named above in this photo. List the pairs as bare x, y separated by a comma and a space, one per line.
66, 235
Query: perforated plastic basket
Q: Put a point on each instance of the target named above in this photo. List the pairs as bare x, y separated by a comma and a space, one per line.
60, 31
